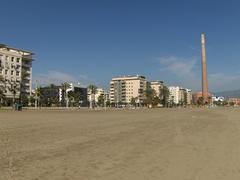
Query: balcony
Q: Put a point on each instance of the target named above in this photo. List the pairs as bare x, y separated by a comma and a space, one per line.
27, 65
27, 57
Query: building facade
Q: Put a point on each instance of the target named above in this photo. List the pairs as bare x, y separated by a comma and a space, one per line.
16, 71
189, 97
234, 101
123, 89
100, 92
180, 96
174, 94
82, 91
157, 86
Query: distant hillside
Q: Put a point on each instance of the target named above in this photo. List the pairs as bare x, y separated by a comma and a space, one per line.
228, 94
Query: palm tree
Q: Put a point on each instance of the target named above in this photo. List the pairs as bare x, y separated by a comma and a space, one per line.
101, 100
21, 84
53, 100
133, 101
37, 97
74, 97
65, 86
164, 96
2, 89
93, 90
149, 94
156, 101
14, 88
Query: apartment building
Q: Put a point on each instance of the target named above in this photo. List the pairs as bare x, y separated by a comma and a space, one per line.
100, 92
189, 96
180, 96
16, 70
107, 96
174, 94
123, 89
158, 88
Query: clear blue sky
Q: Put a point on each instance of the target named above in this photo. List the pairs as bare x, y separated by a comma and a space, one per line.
93, 40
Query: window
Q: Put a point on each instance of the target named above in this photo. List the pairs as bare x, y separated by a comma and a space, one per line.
6, 71
11, 72
12, 59
18, 60
17, 73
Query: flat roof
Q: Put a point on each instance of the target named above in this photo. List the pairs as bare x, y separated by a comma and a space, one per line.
129, 77
16, 49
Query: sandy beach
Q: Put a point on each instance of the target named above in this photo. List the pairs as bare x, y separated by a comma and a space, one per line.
167, 144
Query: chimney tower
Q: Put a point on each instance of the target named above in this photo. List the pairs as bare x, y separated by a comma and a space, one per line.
204, 72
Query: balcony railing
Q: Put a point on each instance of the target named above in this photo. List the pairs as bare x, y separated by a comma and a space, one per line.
27, 57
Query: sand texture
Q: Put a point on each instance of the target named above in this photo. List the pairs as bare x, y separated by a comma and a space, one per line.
159, 144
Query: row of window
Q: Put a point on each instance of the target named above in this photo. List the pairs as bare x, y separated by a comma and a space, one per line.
12, 72
7, 65
7, 58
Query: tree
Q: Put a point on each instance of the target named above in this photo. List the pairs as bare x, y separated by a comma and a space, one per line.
37, 97
93, 90
133, 101
22, 98
74, 97
149, 94
200, 101
101, 100
13, 87
165, 96
2, 90
155, 101
108, 103
70, 95
53, 99
65, 86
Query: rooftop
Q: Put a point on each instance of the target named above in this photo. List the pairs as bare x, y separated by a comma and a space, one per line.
6, 47
128, 77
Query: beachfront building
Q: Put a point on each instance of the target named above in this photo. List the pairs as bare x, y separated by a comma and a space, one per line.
185, 96
180, 96
157, 86
76, 89
124, 89
174, 94
16, 71
106, 96
100, 92
189, 97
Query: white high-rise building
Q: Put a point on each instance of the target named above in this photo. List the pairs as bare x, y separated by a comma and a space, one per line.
180, 96
123, 89
16, 70
174, 94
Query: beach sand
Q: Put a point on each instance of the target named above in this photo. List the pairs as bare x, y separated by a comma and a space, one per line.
166, 144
